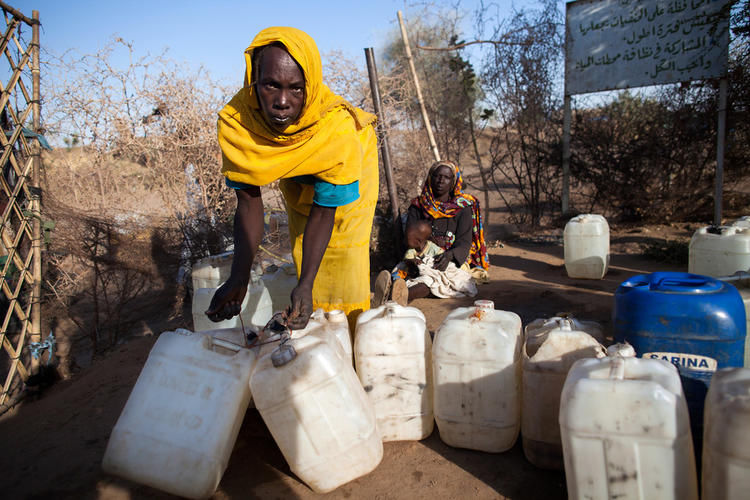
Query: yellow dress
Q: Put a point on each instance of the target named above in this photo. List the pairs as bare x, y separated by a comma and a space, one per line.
333, 141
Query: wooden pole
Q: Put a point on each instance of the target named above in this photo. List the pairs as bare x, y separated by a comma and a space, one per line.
19, 15
425, 118
36, 243
385, 150
720, 133
482, 174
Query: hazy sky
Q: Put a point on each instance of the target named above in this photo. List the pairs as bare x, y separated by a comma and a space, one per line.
213, 33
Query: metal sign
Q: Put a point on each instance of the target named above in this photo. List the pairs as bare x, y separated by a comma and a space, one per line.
618, 44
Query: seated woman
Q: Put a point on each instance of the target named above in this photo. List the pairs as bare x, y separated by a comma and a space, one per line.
456, 227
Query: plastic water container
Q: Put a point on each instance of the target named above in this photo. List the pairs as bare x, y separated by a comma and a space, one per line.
257, 308
212, 271
335, 325
726, 445
719, 251
536, 332
477, 372
393, 356
743, 222
280, 284
625, 431
236, 336
181, 420
745, 294
551, 348
695, 322
586, 246
312, 402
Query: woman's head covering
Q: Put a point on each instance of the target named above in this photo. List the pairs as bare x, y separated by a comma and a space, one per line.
303, 49
458, 199
322, 142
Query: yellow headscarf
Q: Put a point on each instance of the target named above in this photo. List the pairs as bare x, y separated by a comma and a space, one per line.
323, 142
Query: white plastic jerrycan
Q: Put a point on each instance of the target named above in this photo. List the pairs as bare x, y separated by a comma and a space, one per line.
280, 284
181, 420
726, 436
550, 349
626, 432
212, 271
719, 251
536, 332
392, 352
312, 402
477, 370
257, 307
335, 324
586, 246
744, 289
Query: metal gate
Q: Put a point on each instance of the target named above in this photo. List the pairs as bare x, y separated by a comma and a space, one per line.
20, 203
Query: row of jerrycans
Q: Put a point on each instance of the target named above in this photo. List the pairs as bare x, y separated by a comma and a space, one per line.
179, 424
182, 418
618, 423
468, 380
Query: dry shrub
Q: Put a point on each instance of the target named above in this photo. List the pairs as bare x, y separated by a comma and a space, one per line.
148, 136
108, 275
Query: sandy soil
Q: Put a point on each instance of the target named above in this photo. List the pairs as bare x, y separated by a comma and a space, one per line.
53, 446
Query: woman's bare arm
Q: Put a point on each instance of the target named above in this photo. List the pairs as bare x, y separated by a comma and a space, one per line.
248, 232
314, 243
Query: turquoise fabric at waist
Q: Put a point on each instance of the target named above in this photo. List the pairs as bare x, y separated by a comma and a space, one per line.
326, 194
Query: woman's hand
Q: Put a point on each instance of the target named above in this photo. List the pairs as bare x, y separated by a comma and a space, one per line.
298, 314
227, 301
442, 260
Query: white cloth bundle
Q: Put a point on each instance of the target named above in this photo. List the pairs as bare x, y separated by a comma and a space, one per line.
453, 282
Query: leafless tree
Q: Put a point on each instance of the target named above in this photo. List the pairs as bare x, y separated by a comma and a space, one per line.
521, 77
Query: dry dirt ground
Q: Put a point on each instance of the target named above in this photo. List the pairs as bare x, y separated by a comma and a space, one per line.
52, 447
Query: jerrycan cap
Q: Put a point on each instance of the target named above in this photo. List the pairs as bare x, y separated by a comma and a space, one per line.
390, 307
283, 354
336, 316
622, 349
482, 308
563, 321
319, 315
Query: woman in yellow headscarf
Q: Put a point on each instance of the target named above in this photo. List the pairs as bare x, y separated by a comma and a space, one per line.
286, 124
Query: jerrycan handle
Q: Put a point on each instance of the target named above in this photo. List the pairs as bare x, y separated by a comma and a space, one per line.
210, 342
675, 282
617, 368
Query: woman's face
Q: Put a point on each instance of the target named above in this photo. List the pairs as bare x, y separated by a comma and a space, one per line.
441, 182
281, 88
